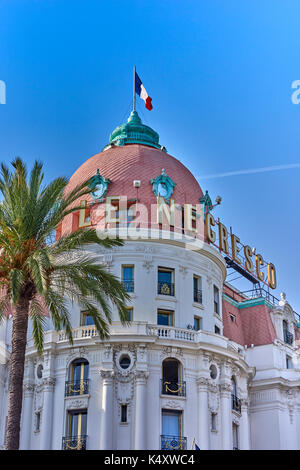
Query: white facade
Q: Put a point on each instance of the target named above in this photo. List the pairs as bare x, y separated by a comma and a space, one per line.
125, 408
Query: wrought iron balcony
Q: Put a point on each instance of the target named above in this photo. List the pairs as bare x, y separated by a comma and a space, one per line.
128, 285
236, 403
171, 387
198, 296
288, 337
165, 288
173, 442
77, 387
74, 443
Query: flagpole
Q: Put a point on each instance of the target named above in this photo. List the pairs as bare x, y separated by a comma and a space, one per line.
134, 88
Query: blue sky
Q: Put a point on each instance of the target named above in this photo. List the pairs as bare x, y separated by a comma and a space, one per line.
219, 74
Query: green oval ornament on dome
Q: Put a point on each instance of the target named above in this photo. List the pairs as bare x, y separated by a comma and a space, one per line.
134, 132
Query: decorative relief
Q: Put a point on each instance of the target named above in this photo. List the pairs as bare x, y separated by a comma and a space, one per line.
76, 404
106, 374
108, 261
28, 389
226, 387
213, 398
48, 383
183, 270
141, 375
173, 404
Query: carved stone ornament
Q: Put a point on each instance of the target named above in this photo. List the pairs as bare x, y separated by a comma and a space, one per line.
77, 404
173, 404
118, 357
28, 389
202, 383
183, 270
141, 375
213, 400
226, 388
163, 186
106, 374
124, 388
48, 383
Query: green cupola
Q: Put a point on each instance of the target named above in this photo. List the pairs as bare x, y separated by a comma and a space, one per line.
134, 132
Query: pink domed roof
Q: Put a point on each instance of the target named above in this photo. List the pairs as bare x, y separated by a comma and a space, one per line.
124, 164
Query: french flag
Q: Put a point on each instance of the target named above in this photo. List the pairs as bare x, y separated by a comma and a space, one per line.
141, 91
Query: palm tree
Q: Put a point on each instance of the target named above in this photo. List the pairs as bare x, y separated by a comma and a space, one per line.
37, 273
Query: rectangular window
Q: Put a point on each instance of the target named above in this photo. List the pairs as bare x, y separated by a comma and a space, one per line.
77, 421
37, 421
197, 289
232, 317
128, 277
171, 423
165, 317
130, 313
197, 323
216, 301
123, 413
214, 421
235, 436
217, 330
289, 362
165, 281
86, 319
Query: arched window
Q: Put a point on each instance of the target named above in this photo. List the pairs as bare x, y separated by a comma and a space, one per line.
172, 383
78, 378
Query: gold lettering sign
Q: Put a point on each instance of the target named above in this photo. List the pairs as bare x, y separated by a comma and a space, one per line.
259, 263
272, 276
248, 262
223, 238
235, 249
209, 222
84, 219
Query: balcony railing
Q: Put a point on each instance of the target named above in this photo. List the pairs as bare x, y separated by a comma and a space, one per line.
173, 443
165, 288
74, 388
171, 387
288, 337
236, 403
128, 286
198, 296
74, 443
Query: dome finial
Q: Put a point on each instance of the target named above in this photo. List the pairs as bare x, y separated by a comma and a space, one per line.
134, 132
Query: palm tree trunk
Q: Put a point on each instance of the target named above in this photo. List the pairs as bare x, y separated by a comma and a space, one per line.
19, 335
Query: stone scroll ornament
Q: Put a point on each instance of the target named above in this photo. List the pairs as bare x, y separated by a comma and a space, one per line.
99, 186
163, 186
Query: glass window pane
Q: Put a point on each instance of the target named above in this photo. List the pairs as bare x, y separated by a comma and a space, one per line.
165, 277
164, 318
170, 423
127, 273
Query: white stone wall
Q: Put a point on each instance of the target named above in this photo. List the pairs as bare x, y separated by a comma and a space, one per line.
269, 416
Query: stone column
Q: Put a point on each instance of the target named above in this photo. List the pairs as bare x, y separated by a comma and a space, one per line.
140, 410
27, 412
47, 413
203, 419
226, 415
106, 430
244, 435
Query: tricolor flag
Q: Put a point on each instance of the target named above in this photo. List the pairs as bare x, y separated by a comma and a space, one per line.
141, 91
194, 445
